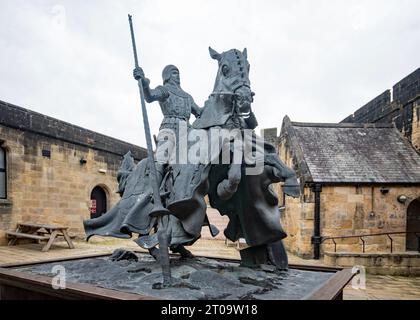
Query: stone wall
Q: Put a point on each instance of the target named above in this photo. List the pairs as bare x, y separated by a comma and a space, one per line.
415, 138
372, 111
353, 210
16, 117
397, 264
408, 88
401, 110
270, 136
46, 182
345, 210
297, 217
298, 222
53, 190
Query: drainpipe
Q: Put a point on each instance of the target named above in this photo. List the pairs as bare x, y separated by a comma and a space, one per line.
316, 238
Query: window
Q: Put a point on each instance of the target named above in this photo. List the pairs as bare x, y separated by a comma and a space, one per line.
3, 182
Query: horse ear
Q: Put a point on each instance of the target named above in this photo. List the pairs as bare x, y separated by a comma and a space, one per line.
214, 54
245, 53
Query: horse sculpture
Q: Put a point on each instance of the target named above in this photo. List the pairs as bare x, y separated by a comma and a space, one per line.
247, 199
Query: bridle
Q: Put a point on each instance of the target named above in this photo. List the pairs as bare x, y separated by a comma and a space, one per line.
235, 97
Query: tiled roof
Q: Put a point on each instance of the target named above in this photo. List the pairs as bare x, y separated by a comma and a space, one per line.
352, 153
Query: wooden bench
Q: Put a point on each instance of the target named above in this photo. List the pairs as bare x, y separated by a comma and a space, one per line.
39, 232
18, 235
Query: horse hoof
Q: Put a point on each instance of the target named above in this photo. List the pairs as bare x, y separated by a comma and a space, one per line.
154, 252
185, 254
160, 286
121, 254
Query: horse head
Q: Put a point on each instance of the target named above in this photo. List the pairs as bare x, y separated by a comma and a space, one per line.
232, 78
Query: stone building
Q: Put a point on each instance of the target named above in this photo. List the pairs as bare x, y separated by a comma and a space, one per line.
55, 172
400, 107
356, 179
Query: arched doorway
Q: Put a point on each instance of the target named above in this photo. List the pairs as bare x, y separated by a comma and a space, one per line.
98, 202
413, 224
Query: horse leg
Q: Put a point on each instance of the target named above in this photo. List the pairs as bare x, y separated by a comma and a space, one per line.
271, 253
227, 188
154, 252
179, 248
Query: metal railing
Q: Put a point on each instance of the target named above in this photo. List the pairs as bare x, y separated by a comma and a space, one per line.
388, 234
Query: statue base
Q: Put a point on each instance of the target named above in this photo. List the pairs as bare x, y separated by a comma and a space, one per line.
100, 277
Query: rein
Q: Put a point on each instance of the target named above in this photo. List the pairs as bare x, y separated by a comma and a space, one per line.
244, 115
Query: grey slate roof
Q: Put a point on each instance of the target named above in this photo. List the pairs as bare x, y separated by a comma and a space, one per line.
352, 153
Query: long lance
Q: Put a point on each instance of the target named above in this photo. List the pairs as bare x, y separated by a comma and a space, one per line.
158, 211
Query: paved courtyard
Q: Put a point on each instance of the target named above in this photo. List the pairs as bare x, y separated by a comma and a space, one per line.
377, 287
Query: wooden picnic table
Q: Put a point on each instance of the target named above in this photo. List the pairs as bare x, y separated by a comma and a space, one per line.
39, 232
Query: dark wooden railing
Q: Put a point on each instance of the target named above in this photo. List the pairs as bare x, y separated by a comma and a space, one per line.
362, 236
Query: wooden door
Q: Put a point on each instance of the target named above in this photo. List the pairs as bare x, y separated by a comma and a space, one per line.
413, 225
98, 202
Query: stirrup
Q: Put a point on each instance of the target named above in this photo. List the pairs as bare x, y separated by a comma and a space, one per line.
147, 242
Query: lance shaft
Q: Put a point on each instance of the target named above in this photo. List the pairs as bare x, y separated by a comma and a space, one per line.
158, 210
150, 158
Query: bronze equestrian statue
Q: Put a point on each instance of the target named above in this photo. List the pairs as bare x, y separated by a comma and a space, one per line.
240, 188
253, 206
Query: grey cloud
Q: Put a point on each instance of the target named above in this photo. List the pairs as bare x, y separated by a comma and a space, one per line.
313, 60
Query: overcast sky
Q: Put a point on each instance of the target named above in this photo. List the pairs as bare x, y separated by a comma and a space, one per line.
316, 61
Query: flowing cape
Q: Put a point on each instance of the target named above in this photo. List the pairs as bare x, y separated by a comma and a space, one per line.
253, 210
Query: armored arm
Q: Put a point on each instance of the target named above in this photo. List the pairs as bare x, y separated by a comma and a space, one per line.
157, 94
150, 95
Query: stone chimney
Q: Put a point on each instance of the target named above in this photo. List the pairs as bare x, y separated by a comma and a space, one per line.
270, 136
